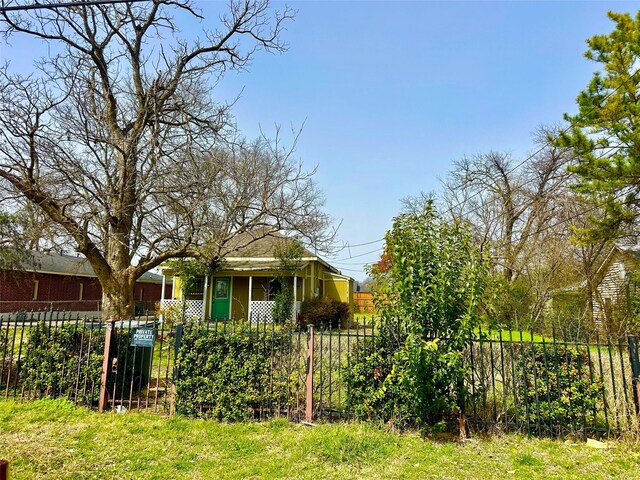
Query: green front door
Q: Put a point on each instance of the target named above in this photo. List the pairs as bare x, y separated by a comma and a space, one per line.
221, 298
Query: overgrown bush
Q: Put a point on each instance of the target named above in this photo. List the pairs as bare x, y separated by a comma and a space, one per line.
428, 298
555, 385
229, 376
282, 310
67, 362
325, 312
59, 363
371, 390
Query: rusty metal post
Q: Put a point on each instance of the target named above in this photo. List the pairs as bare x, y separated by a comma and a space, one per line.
106, 365
4, 470
635, 370
309, 383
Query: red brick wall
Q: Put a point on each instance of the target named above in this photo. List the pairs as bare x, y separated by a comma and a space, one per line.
62, 292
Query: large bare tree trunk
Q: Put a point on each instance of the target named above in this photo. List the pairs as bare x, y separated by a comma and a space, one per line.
117, 298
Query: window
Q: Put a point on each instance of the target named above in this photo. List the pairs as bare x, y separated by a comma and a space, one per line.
275, 287
222, 288
35, 289
81, 291
196, 290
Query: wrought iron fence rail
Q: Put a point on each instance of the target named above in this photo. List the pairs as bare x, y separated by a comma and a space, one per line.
517, 380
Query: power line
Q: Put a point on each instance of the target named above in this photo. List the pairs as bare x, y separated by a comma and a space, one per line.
357, 256
511, 170
564, 220
42, 6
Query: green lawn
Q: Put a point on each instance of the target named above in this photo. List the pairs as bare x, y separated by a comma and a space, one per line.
53, 439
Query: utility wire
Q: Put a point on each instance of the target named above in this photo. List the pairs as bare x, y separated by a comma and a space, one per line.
537, 231
511, 170
42, 6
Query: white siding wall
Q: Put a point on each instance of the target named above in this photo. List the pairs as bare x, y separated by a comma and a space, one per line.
613, 285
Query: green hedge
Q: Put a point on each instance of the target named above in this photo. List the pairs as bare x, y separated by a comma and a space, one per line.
325, 312
67, 362
232, 376
58, 362
555, 386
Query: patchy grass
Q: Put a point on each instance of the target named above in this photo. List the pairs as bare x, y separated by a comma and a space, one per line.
53, 439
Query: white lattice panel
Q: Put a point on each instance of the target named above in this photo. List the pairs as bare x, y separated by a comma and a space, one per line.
188, 310
261, 311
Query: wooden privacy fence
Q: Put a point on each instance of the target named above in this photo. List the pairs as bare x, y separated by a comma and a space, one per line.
544, 383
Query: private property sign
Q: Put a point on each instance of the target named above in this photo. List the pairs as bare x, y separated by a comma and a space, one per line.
143, 337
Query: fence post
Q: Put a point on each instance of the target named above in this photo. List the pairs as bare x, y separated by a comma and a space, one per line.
4, 470
635, 370
176, 371
309, 383
106, 365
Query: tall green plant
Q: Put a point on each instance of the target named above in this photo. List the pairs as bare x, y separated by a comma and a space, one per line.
428, 300
288, 254
605, 133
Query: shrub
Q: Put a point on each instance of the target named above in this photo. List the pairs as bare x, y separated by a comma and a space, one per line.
365, 378
429, 297
283, 303
7, 363
325, 312
555, 385
59, 363
67, 362
230, 376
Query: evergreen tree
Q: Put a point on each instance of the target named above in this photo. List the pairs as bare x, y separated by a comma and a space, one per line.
605, 133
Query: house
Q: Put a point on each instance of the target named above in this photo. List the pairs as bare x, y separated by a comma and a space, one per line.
614, 282
247, 281
54, 282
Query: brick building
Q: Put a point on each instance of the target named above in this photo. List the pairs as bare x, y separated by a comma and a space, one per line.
66, 283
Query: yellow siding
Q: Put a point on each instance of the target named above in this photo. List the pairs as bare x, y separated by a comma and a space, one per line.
240, 297
338, 289
177, 288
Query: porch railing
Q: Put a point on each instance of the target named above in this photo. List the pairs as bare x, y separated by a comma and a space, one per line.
183, 310
261, 310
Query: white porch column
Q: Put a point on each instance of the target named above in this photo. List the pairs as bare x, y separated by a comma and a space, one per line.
164, 283
204, 298
295, 296
302, 289
250, 291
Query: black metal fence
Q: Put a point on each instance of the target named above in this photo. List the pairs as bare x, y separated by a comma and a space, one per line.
543, 384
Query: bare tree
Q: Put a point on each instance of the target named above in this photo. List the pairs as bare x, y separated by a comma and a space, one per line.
116, 137
517, 214
509, 203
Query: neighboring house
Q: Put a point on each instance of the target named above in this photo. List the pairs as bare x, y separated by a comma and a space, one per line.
52, 282
613, 281
247, 282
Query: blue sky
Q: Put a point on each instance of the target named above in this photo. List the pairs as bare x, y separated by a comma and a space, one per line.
391, 94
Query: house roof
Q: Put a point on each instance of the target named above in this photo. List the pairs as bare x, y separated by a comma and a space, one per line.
255, 250
258, 243
58, 264
632, 251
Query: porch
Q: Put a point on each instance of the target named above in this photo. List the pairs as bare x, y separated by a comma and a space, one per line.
225, 296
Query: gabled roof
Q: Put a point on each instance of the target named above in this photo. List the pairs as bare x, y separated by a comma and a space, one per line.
632, 251
77, 266
255, 250
259, 243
